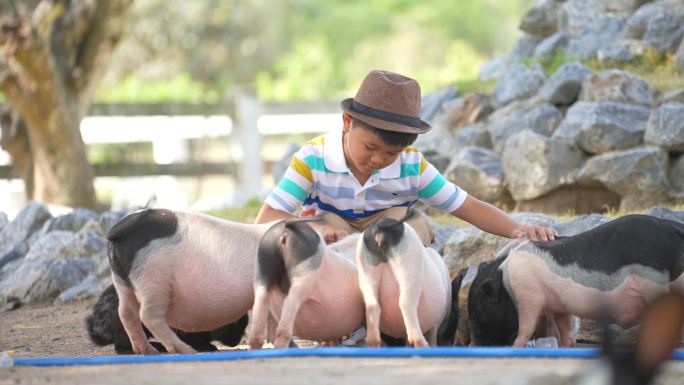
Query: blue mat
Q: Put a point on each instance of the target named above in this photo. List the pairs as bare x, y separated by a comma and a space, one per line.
439, 352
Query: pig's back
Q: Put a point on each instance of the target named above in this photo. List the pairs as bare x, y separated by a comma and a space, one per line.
630, 240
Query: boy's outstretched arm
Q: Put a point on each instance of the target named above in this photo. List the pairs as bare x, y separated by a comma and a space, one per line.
491, 219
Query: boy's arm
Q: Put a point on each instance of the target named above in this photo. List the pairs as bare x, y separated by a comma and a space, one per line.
329, 233
269, 214
491, 219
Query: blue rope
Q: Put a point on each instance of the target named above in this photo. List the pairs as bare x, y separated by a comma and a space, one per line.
350, 352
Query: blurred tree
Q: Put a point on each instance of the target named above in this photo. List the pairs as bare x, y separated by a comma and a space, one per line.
302, 49
53, 53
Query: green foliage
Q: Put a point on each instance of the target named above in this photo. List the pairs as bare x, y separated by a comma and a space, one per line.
179, 88
247, 213
302, 49
120, 153
658, 68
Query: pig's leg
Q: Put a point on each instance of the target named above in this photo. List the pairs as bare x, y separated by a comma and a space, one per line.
565, 329
528, 315
129, 309
153, 314
409, 296
260, 316
298, 293
369, 281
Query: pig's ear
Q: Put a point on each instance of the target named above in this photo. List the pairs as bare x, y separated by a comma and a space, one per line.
490, 289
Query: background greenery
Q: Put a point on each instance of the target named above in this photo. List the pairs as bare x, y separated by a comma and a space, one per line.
284, 50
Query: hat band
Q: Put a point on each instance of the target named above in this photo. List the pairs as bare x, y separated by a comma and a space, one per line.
384, 115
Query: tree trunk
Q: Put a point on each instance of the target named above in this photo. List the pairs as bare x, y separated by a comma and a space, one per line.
16, 142
52, 60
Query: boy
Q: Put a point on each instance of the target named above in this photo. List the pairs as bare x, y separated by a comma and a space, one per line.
369, 170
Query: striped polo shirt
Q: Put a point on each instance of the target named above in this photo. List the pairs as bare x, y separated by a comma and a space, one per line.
318, 179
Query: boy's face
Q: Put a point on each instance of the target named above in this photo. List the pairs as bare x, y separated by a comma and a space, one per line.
364, 151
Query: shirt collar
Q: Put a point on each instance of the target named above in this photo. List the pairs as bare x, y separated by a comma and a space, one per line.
333, 157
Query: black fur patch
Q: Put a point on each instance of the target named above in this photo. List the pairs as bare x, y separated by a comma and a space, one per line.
284, 246
493, 314
632, 239
134, 232
446, 334
383, 234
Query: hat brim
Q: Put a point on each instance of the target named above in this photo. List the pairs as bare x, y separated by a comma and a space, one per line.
384, 124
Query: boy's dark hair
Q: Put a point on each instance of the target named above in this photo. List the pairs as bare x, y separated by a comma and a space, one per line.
391, 138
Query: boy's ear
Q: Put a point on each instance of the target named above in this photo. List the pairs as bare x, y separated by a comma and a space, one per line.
346, 122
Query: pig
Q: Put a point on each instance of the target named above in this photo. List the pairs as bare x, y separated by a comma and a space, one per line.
104, 327
623, 265
188, 271
405, 285
311, 289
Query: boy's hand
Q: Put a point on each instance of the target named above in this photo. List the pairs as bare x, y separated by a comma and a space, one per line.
535, 233
329, 233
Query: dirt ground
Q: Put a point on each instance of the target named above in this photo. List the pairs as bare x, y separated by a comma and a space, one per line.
59, 331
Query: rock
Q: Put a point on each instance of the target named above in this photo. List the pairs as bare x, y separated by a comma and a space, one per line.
617, 86
535, 165
603, 127
572, 200
639, 175
623, 51
479, 172
666, 213
665, 127
565, 85
518, 82
580, 224
432, 103
677, 174
550, 45
28, 220
541, 20
475, 135
518, 116
88, 288
676, 96
658, 24
469, 110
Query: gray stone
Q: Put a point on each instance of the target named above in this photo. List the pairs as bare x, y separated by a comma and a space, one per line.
623, 51
90, 287
580, 224
542, 118
677, 174
658, 24
3, 221
565, 85
547, 47
479, 172
50, 245
676, 96
603, 127
525, 46
541, 20
470, 246
109, 218
518, 82
666, 213
12, 253
432, 103
665, 127
593, 37
475, 135
41, 279
535, 165
618, 86
639, 175
27, 221
494, 68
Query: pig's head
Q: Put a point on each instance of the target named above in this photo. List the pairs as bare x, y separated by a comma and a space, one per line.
493, 315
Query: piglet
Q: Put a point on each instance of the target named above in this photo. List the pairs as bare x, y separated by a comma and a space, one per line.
623, 265
309, 287
405, 285
188, 271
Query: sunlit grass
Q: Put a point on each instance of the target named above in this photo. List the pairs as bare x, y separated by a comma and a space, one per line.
658, 68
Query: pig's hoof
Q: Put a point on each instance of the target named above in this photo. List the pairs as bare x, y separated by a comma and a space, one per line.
373, 342
281, 343
145, 349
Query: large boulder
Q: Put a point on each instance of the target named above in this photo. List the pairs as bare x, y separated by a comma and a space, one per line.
518, 82
542, 19
479, 172
533, 115
565, 84
535, 164
665, 127
638, 175
603, 127
618, 86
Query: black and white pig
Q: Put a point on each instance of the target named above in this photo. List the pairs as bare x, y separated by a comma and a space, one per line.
309, 287
104, 327
188, 271
405, 285
621, 266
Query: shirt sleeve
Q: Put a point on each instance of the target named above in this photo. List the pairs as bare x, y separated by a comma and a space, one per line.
436, 191
293, 188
